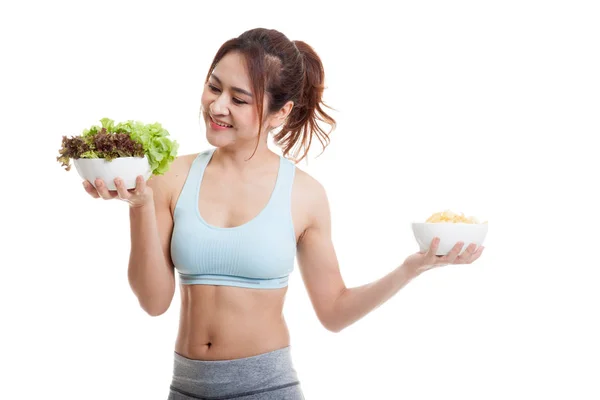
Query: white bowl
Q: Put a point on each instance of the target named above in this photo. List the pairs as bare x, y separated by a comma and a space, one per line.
449, 234
126, 168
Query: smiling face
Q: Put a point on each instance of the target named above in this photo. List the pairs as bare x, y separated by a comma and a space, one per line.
228, 106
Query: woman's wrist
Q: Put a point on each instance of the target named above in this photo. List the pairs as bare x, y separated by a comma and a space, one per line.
142, 207
410, 271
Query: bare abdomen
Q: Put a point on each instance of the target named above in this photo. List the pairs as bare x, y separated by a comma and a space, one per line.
223, 322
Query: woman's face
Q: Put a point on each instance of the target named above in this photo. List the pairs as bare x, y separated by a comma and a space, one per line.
228, 108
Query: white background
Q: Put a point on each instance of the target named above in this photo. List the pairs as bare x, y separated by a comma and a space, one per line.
489, 108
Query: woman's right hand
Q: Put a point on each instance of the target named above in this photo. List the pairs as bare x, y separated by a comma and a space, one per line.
140, 196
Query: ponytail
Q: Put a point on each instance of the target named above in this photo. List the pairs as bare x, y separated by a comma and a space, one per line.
303, 122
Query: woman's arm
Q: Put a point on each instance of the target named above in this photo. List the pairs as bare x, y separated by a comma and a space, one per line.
316, 256
355, 303
336, 305
151, 274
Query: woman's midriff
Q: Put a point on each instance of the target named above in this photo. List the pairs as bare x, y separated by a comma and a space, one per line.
225, 323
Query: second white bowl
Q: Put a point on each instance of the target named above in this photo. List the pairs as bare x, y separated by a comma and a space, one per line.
449, 234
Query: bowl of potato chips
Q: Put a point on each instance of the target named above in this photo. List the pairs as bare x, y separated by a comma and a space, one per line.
451, 228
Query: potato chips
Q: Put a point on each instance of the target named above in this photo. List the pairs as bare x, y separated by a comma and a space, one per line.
448, 216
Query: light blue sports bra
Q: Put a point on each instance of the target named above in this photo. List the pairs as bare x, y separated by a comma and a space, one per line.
259, 254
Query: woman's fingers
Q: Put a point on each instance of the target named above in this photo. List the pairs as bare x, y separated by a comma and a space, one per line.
466, 256
452, 255
135, 196
477, 254
140, 185
89, 188
433, 247
122, 192
471, 253
103, 190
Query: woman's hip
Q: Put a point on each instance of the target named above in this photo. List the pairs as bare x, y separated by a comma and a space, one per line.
265, 376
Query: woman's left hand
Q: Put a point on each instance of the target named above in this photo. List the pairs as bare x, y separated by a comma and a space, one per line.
421, 262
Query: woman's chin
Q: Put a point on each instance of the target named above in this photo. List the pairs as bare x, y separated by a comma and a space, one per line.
217, 140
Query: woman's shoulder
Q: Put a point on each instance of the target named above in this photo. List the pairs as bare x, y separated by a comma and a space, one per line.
179, 165
307, 182
174, 177
310, 191
183, 161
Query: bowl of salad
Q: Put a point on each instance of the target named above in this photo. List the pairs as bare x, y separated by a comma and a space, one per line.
124, 150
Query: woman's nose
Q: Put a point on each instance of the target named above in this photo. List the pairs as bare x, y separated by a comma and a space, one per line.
219, 106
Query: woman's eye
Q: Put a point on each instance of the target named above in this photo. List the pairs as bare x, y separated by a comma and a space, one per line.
215, 89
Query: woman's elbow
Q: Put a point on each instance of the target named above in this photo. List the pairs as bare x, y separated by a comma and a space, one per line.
155, 309
331, 325
334, 328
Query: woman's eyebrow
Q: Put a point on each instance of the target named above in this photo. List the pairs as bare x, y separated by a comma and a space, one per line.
234, 88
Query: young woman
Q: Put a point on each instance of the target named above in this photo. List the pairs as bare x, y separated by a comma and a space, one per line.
232, 220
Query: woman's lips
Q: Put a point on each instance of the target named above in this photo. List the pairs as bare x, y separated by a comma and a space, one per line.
216, 126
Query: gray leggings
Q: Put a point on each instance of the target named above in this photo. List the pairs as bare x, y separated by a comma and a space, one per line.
268, 376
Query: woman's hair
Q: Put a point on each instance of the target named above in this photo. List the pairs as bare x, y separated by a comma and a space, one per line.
286, 71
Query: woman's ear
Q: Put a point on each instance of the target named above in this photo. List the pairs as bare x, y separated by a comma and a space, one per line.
279, 117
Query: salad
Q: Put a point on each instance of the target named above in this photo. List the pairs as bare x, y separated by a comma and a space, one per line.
124, 139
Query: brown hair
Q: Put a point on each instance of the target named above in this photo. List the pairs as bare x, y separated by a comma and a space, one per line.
286, 71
